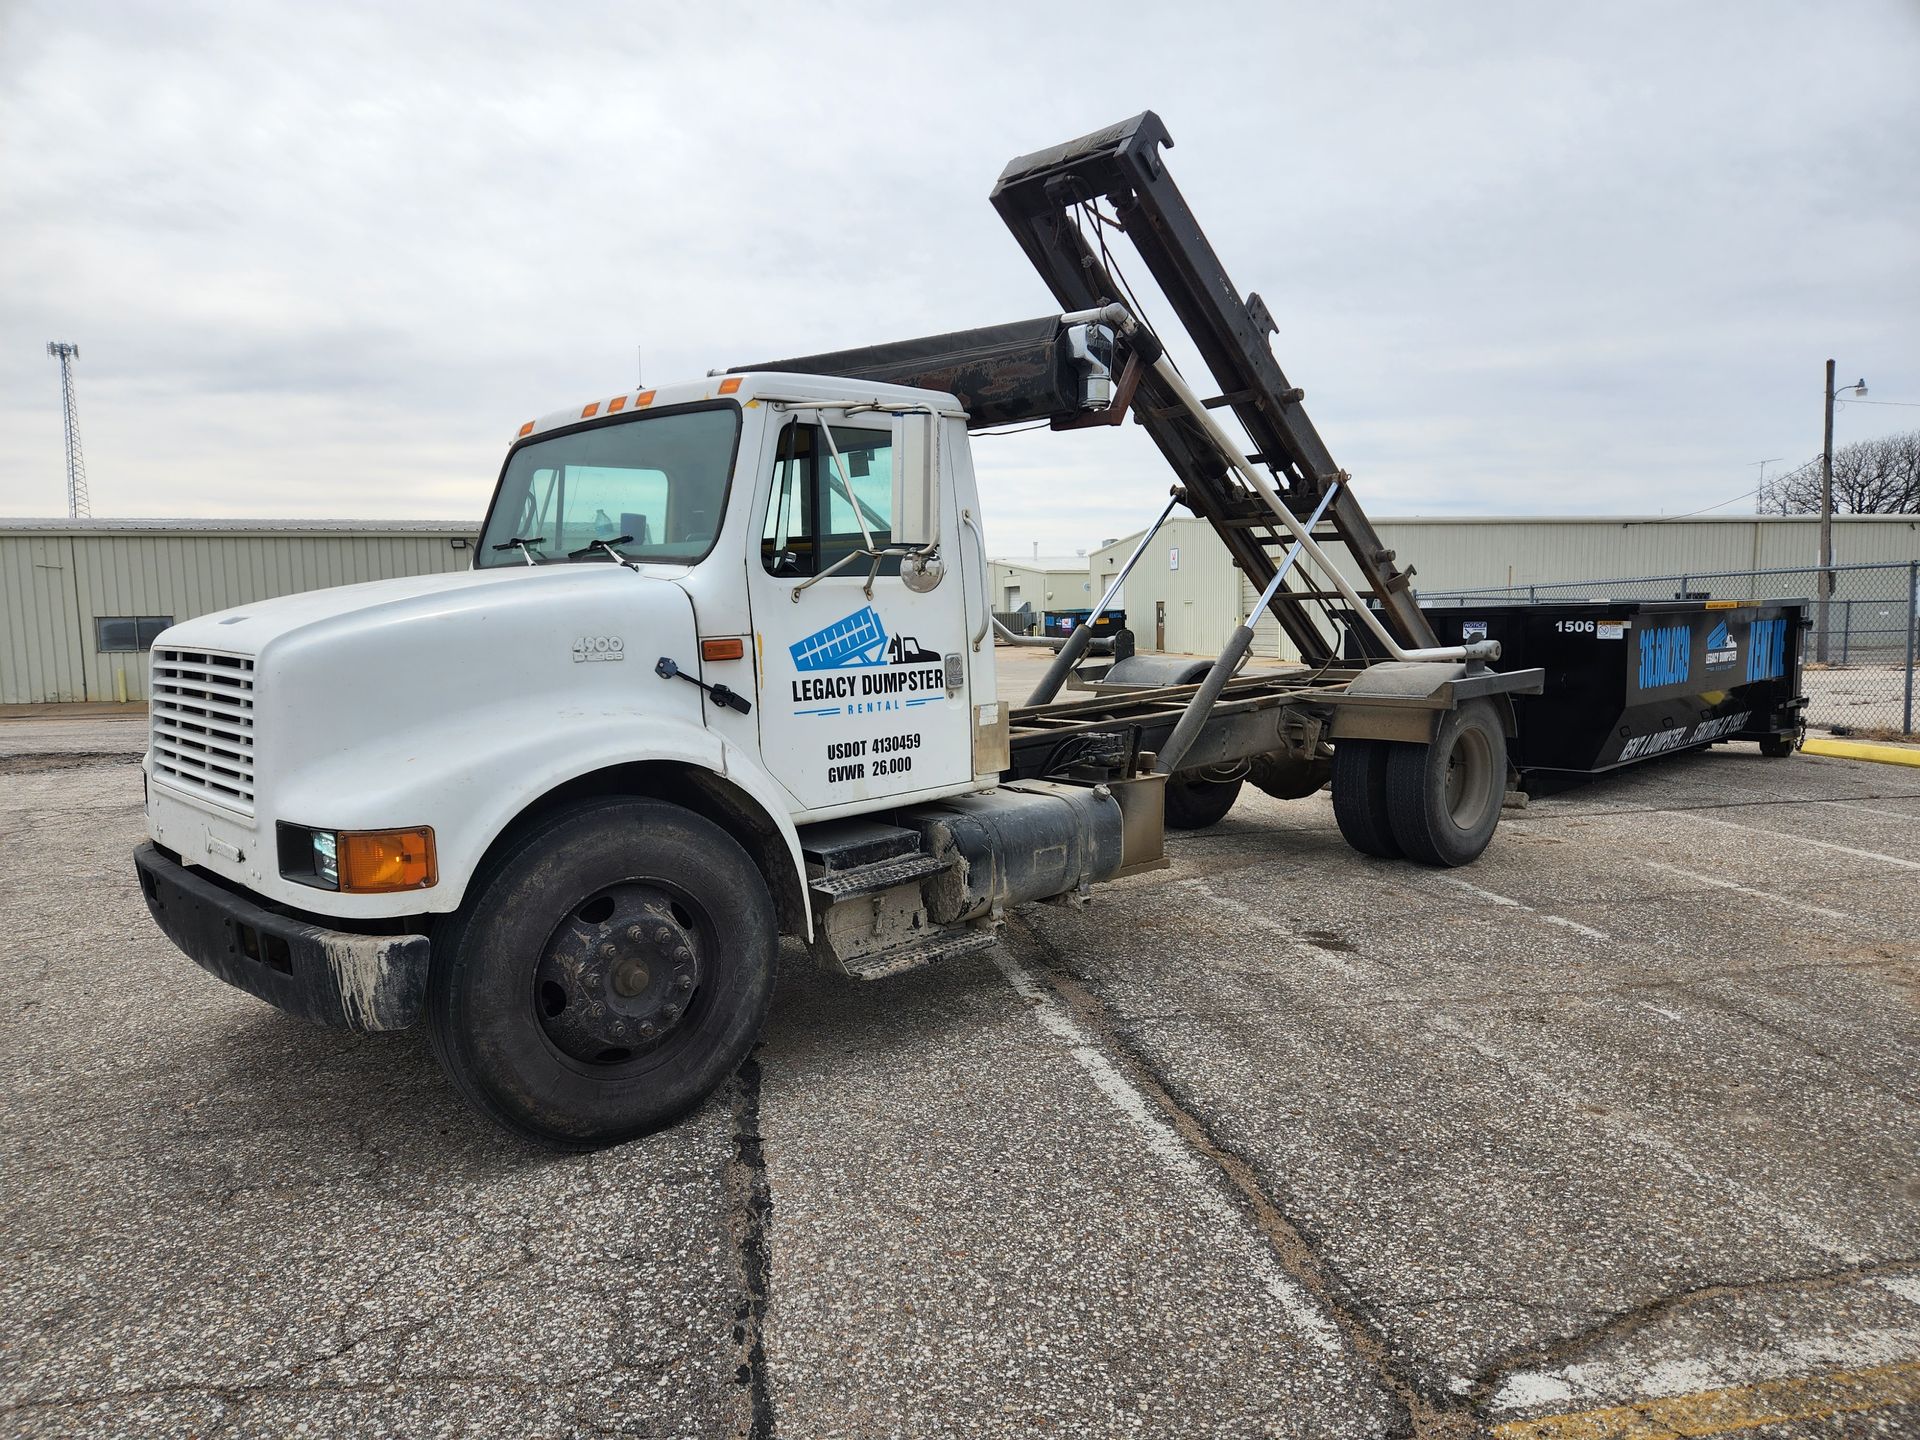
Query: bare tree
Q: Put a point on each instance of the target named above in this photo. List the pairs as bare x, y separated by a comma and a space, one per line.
1870, 477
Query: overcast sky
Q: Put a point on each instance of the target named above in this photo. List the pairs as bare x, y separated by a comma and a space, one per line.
324, 259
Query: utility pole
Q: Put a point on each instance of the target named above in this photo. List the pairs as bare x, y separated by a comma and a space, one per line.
78, 505
1826, 516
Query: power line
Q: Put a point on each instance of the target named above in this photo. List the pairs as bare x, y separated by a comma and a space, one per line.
1743, 495
78, 503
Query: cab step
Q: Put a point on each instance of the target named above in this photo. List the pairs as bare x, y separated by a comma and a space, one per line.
833, 886
925, 949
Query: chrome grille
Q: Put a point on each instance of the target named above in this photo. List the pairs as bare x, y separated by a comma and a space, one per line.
200, 718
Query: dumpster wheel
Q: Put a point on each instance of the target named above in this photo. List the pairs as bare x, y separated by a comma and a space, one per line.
1443, 799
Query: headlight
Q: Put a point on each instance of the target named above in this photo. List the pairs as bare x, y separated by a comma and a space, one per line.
326, 858
358, 862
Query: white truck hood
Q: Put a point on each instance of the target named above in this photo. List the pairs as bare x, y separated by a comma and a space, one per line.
249, 629
346, 707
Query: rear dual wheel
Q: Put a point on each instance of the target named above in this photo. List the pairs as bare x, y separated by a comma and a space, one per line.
1436, 803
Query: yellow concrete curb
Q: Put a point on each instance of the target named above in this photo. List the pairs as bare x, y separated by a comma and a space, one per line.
1861, 750
1726, 1412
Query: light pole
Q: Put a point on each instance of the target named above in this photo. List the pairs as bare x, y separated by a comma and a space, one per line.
1859, 387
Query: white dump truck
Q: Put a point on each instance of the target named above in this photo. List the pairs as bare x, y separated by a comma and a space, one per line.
723, 672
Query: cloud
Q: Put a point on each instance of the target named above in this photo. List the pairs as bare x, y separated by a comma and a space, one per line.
324, 260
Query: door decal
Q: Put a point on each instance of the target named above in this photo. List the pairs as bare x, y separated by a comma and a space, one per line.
854, 661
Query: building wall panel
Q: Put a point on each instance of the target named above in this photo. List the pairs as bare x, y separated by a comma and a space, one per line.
57, 579
40, 653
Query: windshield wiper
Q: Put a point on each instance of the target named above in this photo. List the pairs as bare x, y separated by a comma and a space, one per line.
606, 545
524, 544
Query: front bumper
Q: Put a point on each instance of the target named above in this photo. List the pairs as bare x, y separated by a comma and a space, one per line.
334, 977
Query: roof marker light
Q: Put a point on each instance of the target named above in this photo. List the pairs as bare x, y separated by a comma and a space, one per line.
727, 387
616, 404
526, 430
587, 412
645, 397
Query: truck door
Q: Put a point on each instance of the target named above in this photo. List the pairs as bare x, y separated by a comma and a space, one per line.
863, 698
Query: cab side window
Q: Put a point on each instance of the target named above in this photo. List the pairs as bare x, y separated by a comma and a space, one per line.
812, 520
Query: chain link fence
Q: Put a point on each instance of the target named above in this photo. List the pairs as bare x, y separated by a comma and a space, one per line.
1860, 654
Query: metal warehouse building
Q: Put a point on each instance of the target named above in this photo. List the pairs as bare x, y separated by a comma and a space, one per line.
1045, 582
81, 600
1186, 596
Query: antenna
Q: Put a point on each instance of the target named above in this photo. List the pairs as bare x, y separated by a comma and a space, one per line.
78, 505
1760, 490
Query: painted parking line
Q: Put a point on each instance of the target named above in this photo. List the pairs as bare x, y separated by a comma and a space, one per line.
1732, 1409
1767, 895
1508, 901
1904, 863
1196, 1181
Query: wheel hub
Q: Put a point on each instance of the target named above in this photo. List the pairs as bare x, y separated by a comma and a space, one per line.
618, 974
1469, 773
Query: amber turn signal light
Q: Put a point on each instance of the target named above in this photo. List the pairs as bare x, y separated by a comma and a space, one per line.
377, 862
732, 648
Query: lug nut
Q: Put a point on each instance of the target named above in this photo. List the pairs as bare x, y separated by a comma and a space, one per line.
685, 982
646, 1030
671, 1013
607, 952
635, 934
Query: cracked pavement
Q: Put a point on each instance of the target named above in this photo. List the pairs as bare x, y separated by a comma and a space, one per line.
1276, 1141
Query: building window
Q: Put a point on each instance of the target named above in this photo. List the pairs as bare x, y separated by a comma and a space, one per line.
126, 633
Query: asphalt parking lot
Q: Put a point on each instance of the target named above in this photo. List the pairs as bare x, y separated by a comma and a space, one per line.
1610, 1134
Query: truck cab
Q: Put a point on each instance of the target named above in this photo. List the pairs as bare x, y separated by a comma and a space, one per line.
825, 543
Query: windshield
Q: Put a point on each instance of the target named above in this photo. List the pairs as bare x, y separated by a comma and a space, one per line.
660, 480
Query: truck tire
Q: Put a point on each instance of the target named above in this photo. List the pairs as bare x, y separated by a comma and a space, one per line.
1195, 802
1443, 799
1360, 797
609, 970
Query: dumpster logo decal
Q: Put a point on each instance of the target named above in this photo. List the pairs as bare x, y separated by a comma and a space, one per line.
1767, 649
859, 639
895, 668
1666, 655
1722, 649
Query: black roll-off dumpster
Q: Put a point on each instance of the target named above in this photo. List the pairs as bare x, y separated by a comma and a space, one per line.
1629, 680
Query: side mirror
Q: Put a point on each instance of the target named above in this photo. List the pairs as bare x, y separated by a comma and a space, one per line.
916, 480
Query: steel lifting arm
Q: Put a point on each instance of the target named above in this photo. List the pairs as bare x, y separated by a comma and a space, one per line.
1039, 197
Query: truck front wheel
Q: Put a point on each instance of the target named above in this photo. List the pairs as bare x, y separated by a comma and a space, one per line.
610, 969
